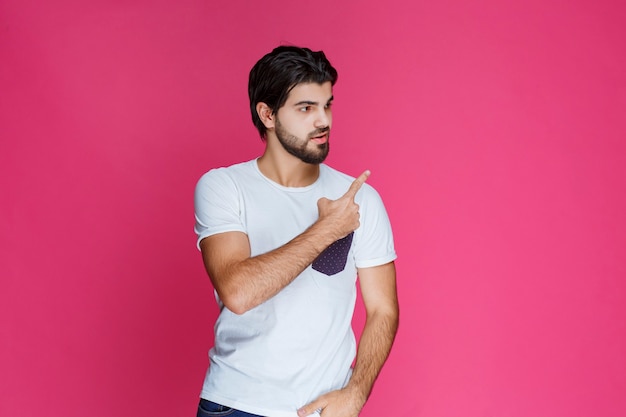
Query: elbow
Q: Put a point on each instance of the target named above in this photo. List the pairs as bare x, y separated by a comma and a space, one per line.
235, 303
389, 319
238, 309
395, 318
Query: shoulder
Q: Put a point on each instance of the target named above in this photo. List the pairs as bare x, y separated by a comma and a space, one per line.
226, 176
232, 171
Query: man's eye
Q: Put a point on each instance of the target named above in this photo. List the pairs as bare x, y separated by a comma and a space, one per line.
328, 106
305, 109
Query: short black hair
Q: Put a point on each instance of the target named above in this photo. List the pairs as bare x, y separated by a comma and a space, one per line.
274, 76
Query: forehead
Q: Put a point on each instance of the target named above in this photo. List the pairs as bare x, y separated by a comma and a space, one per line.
312, 92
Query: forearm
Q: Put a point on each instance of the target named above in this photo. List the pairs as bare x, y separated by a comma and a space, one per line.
378, 289
376, 340
374, 347
254, 280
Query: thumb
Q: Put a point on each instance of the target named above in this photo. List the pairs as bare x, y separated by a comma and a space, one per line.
322, 202
315, 406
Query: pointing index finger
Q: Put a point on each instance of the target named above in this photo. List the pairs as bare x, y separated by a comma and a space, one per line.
357, 183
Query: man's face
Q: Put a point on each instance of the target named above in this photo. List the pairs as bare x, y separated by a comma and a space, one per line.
303, 123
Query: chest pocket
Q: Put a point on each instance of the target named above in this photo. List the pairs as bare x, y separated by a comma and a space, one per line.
333, 259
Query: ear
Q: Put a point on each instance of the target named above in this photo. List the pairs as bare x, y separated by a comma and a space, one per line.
266, 115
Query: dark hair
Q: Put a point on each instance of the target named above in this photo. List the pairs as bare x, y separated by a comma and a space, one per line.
277, 73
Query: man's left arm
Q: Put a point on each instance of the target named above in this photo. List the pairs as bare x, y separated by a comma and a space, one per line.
378, 289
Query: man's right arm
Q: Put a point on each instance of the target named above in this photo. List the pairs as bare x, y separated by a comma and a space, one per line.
243, 282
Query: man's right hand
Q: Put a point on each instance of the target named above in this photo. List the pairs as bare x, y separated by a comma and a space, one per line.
341, 216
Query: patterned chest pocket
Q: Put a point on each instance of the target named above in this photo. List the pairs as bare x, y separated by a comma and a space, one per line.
333, 259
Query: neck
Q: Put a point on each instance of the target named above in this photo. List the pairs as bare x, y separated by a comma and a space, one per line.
284, 168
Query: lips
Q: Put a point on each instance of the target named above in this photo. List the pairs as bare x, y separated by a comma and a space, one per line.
319, 140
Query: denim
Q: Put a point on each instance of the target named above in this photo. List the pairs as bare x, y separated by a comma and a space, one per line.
210, 409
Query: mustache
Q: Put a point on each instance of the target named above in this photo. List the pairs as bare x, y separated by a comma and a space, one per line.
319, 132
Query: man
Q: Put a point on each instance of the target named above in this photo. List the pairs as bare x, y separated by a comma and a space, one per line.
283, 238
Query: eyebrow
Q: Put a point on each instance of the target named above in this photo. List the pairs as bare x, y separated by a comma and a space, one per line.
312, 103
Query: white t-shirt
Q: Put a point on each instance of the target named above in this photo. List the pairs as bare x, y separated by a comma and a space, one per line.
284, 353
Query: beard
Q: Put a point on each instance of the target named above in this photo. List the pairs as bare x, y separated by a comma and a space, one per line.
300, 147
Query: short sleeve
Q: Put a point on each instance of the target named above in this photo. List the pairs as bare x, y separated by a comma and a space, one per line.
374, 238
216, 205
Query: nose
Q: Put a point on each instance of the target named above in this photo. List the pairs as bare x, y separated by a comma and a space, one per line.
323, 118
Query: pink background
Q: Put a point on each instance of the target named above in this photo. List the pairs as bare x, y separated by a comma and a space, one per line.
495, 134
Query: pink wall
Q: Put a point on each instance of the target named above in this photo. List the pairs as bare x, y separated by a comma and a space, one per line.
495, 134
